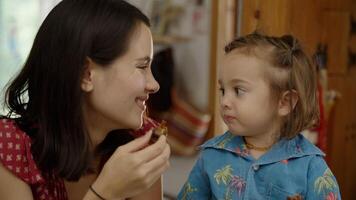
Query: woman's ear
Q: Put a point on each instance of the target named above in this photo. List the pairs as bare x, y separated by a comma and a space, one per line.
87, 84
287, 102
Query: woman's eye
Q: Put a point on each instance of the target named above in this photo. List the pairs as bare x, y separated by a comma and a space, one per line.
143, 67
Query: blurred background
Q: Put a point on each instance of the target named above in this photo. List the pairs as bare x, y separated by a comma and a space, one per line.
189, 36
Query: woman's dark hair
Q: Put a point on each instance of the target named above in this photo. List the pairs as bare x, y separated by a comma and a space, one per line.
46, 96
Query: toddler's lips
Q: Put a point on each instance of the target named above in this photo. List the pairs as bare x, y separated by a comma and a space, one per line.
229, 118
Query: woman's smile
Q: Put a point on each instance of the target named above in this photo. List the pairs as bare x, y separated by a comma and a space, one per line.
141, 102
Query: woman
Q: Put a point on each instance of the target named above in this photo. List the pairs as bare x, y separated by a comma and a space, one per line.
82, 88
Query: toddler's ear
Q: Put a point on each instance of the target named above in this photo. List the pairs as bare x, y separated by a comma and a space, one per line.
287, 102
87, 76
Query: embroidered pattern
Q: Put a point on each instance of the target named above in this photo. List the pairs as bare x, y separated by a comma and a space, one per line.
188, 189
331, 196
325, 183
238, 183
234, 183
243, 151
223, 175
227, 139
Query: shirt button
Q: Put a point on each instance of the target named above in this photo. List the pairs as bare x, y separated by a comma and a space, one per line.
255, 167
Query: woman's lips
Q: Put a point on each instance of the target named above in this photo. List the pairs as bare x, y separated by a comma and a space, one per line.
141, 103
159, 128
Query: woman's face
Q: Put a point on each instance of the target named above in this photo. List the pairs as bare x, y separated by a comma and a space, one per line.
116, 94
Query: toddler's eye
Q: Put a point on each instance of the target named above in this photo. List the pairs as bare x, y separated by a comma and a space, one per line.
238, 91
222, 91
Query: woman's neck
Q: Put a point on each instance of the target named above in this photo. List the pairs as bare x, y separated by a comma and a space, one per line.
95, 125
96, 134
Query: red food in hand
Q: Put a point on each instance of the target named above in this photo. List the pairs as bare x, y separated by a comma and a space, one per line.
150, 124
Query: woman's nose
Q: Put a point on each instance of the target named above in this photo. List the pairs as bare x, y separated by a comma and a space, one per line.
152, 85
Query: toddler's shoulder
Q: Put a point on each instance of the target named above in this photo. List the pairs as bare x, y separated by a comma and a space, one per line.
305, 147
221, 141
225, 143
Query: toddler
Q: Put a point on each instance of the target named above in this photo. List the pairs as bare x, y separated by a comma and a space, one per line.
267, 97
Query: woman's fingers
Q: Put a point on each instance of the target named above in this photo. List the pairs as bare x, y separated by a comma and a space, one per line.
136, 144
156, 173
145, 164
160, 160
152, 151
154, 169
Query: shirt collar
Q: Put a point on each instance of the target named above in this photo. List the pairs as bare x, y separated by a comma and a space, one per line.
282, 150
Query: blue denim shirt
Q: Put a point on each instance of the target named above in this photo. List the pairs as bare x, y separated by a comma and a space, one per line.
291, 169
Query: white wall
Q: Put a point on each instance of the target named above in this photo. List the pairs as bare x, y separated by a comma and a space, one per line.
19, 22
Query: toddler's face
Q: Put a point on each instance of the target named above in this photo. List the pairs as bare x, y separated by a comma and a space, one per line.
246, 105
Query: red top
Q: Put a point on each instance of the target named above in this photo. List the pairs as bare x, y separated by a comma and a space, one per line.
16, 156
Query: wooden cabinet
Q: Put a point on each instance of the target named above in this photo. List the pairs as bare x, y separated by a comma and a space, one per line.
336, 34
342, 78
305, 23
265, 16
342, 133
341, 5
279, 17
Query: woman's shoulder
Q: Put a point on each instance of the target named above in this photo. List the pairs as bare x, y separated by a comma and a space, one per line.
10, 131
15, 152
12, 138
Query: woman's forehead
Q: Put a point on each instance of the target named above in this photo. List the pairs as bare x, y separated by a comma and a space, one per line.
140, 45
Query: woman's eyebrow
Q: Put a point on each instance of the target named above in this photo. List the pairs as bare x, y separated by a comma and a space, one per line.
145, 59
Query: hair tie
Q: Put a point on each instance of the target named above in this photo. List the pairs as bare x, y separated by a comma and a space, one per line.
295, 46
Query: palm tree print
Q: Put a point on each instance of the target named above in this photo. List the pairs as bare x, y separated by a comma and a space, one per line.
188, 188
223, 175
238, 183
325, 182
331, 196
233, 183
225, 140
243, 151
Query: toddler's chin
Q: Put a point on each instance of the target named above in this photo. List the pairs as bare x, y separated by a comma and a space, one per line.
236, 133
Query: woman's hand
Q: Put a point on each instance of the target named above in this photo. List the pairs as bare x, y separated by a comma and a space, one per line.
133, 168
